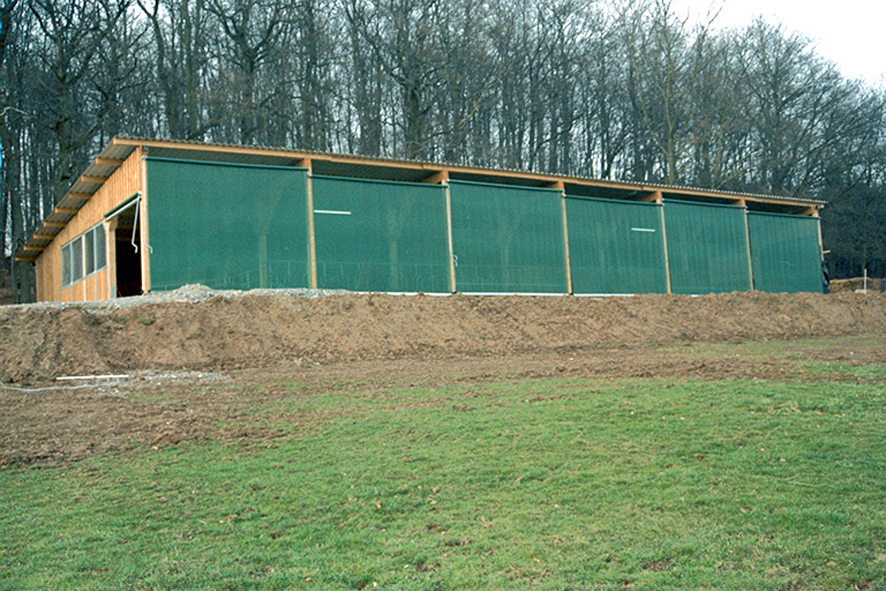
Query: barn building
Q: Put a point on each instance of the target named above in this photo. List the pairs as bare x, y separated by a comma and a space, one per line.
155, 215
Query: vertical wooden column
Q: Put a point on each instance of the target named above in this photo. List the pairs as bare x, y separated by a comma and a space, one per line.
657, 197
561, 186
144, 233
747, 236
453, 286
263, 278
111, 254
442, 177
312, 236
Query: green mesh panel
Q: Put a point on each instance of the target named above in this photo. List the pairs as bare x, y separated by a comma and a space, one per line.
226, 226
508, 239
785, 252
707, 248
380, 236
616, 246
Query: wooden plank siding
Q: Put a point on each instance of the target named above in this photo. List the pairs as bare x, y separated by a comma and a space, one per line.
125, 182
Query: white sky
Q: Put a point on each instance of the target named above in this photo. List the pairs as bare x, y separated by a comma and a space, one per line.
847, 32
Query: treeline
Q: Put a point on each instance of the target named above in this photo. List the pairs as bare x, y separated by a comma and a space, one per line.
631, 91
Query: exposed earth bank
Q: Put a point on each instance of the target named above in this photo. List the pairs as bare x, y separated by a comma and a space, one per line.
199, 363
222, 332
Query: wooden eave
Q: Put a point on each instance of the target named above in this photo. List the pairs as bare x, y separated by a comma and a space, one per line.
81, 191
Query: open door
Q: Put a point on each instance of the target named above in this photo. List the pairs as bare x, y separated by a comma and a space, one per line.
128, 264
126, 278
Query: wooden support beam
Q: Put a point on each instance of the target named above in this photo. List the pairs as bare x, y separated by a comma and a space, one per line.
437, 178
111, 254
80, 196
143, 228
806, 211
653, 197
740, 202
569, 287
560, 185
747, 239
453, 285
312, 231
44, 236
93, 179
108, 162
65, 211
664, 240
54, 224
32, 247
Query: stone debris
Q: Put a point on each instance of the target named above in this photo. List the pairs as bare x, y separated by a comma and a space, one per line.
193, 293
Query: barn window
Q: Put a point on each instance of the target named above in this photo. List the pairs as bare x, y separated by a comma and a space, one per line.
84, 255
66, 264
74, 259
94, 241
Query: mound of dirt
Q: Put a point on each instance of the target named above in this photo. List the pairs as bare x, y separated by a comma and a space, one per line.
258, 331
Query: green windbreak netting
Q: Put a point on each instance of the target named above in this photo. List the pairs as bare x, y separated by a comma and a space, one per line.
380, 236
616, 247
707, 247
785, 252
226, 226
508, 239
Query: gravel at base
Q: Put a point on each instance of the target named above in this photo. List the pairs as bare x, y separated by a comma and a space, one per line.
187, 293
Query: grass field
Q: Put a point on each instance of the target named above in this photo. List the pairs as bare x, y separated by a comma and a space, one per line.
566, 484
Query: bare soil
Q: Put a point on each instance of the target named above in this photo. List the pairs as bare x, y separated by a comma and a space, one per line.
195, 366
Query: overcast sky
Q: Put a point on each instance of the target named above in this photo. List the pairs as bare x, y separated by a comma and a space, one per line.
847, 32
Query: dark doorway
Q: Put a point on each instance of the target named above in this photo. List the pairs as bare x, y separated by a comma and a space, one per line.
129, 264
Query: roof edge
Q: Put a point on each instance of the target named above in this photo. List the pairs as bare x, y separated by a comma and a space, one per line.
106, 164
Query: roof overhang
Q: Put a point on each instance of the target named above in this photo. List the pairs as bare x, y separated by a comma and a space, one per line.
120, 148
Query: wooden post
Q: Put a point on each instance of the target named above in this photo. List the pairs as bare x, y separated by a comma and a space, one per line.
263, 280
312, 237
442, 177
747, 236
664, 239
111, 253
144, 235
561, 186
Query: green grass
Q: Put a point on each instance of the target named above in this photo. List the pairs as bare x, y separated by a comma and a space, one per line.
543, 484
876, 372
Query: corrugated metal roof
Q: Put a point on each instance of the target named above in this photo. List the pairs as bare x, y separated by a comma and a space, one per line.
347, 165
350, 165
